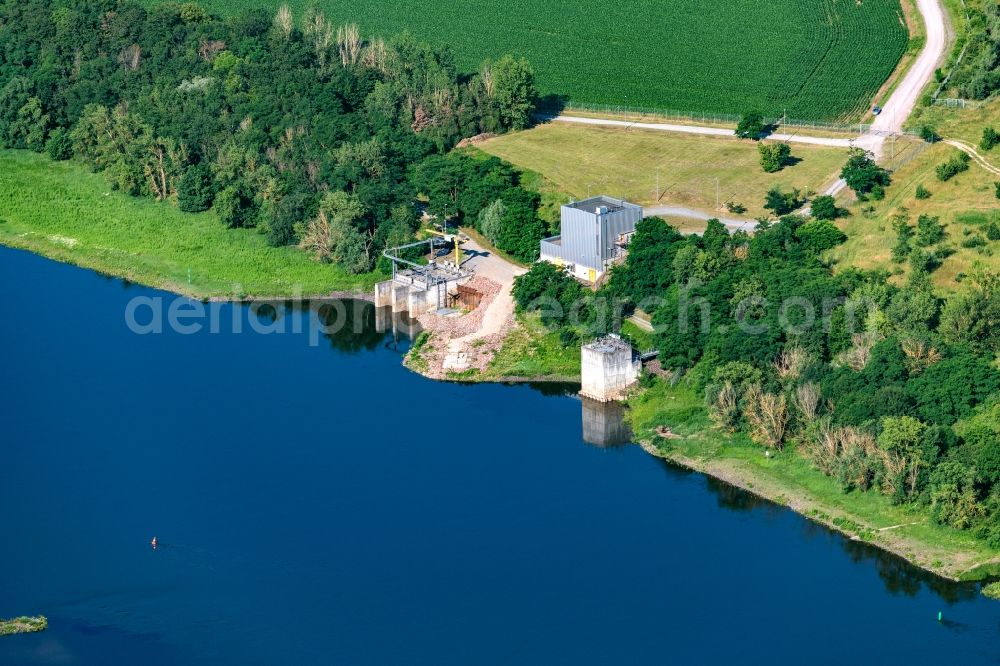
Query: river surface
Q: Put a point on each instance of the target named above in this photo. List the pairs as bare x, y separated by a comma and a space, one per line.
319, 504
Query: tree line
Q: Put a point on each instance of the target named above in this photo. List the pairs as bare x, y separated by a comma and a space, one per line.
304, 130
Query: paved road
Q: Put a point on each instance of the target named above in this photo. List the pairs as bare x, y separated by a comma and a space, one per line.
707, 131
904, 98
734, 224
494, 267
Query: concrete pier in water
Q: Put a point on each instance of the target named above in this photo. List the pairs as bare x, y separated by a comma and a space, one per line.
609, 366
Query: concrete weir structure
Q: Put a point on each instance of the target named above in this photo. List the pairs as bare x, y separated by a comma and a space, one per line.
414, 297
418, 288
609, 366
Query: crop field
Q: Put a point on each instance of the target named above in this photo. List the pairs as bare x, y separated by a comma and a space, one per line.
815, 59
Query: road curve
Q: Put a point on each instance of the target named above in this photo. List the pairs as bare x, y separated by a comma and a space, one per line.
896, 110
903, 99
733, 224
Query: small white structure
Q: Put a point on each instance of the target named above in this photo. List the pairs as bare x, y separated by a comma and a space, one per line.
609, 366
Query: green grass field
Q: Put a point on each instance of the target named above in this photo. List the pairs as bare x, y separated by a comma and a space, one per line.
966, 205
579, 160
817, 59
60, 210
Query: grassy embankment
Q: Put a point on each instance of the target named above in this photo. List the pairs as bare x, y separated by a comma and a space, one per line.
966, 204
788, 478
530, 352
23, 625
581, 160
62, 211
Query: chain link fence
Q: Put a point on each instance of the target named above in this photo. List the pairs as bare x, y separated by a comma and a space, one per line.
647, 114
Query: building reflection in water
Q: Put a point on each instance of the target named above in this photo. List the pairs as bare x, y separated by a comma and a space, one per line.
604, 424
401, 324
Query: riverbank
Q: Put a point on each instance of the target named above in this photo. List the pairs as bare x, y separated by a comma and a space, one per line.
527, 353
672, 423
62, 211
23, 625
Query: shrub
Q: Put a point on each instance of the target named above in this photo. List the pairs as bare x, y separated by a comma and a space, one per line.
904, 236
929, 134
958, 163
990, 138
993, 231
974, 242
59, 146
782, 203
922, 261
825, 208
929, 230
773, 156
922, 192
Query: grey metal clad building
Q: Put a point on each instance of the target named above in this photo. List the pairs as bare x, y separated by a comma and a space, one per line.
593, 236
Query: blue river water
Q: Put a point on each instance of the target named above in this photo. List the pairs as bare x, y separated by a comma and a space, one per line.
319, 504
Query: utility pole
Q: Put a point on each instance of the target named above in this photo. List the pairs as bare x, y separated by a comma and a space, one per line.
657, 184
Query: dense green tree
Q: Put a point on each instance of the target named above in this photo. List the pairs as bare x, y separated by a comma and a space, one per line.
491, 219
59, 145
973, 317
929, 231
954, 500
862, 174
817, 236
751, 126
782, 203
648, 270
824, 207
514, 91
235, 207
520, 227
196, 189
774, 156
557, 297
949, 390
30, 126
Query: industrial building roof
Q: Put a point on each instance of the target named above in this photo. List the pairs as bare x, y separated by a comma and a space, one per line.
593, 203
